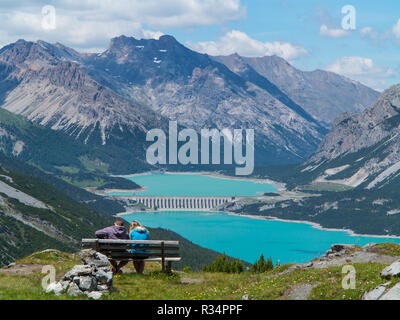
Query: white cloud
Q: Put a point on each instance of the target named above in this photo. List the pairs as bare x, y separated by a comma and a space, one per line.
86, 24
363, 70
396, 29
239, 42
367, 31
332, 33
376, 37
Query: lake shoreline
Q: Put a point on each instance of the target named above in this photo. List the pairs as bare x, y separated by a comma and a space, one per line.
280, 186
271, 218
315, 225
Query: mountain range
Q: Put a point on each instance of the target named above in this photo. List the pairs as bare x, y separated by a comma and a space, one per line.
113, 98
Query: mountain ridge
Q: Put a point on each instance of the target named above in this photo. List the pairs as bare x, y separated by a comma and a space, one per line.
321, 93
114, 97
361, 150
192, 88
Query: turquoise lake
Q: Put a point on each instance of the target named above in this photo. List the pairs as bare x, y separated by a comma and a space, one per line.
196, 185
237, 236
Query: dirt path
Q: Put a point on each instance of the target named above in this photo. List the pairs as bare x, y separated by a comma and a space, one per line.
22, 269
301, 291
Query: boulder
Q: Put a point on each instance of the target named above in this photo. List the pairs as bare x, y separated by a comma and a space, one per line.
342, 247
74, 290
375, 293
87, 283
391, 271
369, 245
105, 269
306, 265
392, 294
93, 258
102, 287
104, 277
96, 295
55, 287
64, 284
78, 270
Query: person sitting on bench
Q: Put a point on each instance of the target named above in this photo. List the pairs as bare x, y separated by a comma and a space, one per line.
117, 231
138, 232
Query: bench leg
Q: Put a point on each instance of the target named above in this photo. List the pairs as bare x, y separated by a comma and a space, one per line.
169, 267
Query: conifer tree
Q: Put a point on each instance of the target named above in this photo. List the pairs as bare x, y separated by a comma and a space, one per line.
261, 265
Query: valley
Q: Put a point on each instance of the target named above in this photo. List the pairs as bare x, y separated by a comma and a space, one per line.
84, 133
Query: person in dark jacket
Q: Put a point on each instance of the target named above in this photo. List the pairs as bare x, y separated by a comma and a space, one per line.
117, 231
138, 232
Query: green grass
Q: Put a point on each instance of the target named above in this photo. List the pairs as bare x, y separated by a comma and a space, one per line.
94, 165
94, 183
391, 249
154, 284
67, 169
62, 259
325, 186
367, 278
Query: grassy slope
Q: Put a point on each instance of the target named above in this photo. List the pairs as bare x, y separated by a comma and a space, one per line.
55, 152
62, 227
80, 195
155, 285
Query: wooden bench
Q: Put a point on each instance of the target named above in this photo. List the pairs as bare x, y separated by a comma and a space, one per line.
157, 250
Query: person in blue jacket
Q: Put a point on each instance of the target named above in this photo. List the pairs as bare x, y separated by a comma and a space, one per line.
138, 232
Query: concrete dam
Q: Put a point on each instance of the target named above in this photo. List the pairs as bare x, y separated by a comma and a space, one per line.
181, 202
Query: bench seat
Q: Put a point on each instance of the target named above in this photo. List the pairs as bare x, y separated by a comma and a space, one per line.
164, 251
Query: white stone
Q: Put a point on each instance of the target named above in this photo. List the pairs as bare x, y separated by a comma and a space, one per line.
93, 258
57, 287
52, 287
74, 290
375, 293
392, 294
102, 287
104, 277
87, 283
78, 270
96, 295
391, 271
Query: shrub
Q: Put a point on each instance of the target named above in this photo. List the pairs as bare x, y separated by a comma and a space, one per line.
223, 264
262, 266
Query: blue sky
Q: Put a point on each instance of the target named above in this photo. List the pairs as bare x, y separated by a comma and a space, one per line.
307, 33
299, 23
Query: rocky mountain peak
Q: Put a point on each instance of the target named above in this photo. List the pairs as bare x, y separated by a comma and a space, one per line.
131, 44
36, 55
321, 93
168, 40
234, 62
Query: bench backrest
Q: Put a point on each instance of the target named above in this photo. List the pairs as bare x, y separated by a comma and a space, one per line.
121, 249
